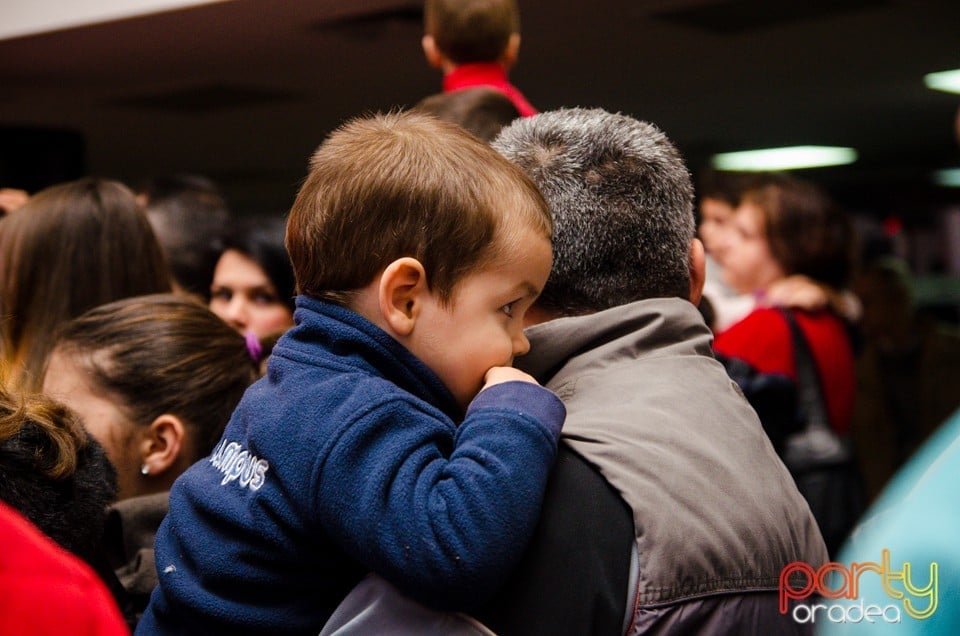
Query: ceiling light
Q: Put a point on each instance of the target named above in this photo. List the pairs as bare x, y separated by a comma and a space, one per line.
788, 158
949, 178
946, 81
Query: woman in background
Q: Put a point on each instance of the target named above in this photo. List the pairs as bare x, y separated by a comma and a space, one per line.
154, 380
71, 247
59, 480
253, 285
782, 227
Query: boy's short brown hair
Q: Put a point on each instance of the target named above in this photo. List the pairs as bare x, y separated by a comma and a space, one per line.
469, 31
405, 184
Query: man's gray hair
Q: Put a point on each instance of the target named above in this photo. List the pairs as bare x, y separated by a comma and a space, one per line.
622, 205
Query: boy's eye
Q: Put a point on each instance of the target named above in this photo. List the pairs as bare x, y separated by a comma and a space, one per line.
508, 308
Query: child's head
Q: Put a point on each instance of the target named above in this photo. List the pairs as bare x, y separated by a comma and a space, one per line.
470, 31
405, 184
399, 218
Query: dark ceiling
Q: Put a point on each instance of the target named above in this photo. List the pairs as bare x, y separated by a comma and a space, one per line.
242, 91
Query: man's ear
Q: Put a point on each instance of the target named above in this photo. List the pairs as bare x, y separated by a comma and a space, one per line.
400, 294
698, 270
431, 52
511, 52
164, 444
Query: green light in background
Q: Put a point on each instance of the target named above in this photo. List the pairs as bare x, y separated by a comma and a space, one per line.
787, 158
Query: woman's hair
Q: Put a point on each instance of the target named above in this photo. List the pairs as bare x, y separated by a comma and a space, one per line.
164, 354
807, 232
53, 472
69, 248
261, 239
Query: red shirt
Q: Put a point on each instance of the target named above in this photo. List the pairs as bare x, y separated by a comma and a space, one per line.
489, 74
763, 339
46, 590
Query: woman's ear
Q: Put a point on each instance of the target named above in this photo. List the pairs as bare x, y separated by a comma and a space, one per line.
164, 445
698, 270
400, 294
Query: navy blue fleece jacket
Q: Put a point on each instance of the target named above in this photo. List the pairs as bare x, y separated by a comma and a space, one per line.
347, 458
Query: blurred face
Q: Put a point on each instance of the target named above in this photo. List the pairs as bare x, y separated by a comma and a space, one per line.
482, 326
69, 383
243, 296
744, 253
715, 216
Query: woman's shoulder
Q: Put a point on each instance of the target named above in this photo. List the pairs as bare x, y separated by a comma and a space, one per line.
761, 322
762, 339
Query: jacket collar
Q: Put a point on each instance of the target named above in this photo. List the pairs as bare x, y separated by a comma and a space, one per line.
566, 345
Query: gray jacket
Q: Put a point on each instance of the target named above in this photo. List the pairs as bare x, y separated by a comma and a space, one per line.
716, 514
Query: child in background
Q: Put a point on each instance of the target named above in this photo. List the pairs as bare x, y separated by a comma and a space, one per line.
390, 433
474, 43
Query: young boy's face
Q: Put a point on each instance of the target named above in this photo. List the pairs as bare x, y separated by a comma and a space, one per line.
482, 325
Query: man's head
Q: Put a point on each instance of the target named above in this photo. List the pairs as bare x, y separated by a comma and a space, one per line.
622, 205
469, 31
481, 110
189, 216
428, 233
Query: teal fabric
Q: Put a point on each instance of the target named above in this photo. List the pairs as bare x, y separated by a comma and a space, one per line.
916, 518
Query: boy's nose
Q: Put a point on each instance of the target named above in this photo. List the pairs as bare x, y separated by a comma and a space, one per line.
520, 344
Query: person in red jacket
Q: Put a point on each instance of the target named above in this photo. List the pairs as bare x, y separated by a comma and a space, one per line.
781, 227
46, 590
786, 226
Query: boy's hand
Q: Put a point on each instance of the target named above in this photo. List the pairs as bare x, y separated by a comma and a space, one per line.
499, 375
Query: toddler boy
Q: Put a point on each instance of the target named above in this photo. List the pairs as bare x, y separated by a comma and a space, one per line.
390, 433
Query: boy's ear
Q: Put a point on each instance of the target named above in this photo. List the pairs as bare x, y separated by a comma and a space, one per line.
698, 270
511, 52
431, 52
163, 443
401, 293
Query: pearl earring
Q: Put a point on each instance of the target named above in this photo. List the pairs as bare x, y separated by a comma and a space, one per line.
144, 470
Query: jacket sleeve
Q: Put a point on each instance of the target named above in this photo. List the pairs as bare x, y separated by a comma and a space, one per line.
442, 512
